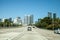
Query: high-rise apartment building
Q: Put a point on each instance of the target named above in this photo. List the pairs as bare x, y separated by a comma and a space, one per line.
0, 20
54, 15
28, 19
49, 14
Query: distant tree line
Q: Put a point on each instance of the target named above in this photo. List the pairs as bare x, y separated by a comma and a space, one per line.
8, 23
48, 23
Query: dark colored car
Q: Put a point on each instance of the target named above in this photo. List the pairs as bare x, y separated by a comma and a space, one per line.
33, 27
57, 30
29, 29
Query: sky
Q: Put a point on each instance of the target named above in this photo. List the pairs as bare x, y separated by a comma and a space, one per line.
20, 8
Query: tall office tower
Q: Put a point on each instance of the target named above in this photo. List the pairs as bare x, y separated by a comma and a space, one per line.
0, 20
39, 20
28, 20
31, 19
49, 14
54, 15
10, 19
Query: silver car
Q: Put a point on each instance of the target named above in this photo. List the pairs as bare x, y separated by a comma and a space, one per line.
57, 30
29, 29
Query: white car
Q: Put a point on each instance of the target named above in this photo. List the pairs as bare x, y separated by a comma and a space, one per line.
57, 30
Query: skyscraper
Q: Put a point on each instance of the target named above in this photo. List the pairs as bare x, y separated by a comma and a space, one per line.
0, 20
54, 15
10, 19
49, 14
28, 19
31, 21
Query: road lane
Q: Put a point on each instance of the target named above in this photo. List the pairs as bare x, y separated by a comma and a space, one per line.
49, 34
30, 35
9, 34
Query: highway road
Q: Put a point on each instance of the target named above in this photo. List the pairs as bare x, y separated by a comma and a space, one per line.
21, 33
30, 35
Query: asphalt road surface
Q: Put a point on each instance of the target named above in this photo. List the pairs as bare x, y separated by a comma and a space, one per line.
23, 34
30, 35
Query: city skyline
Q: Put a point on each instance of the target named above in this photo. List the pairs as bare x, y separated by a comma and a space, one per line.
20, 8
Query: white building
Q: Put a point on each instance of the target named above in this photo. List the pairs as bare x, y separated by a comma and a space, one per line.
28, 20
17, 21
3, 19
